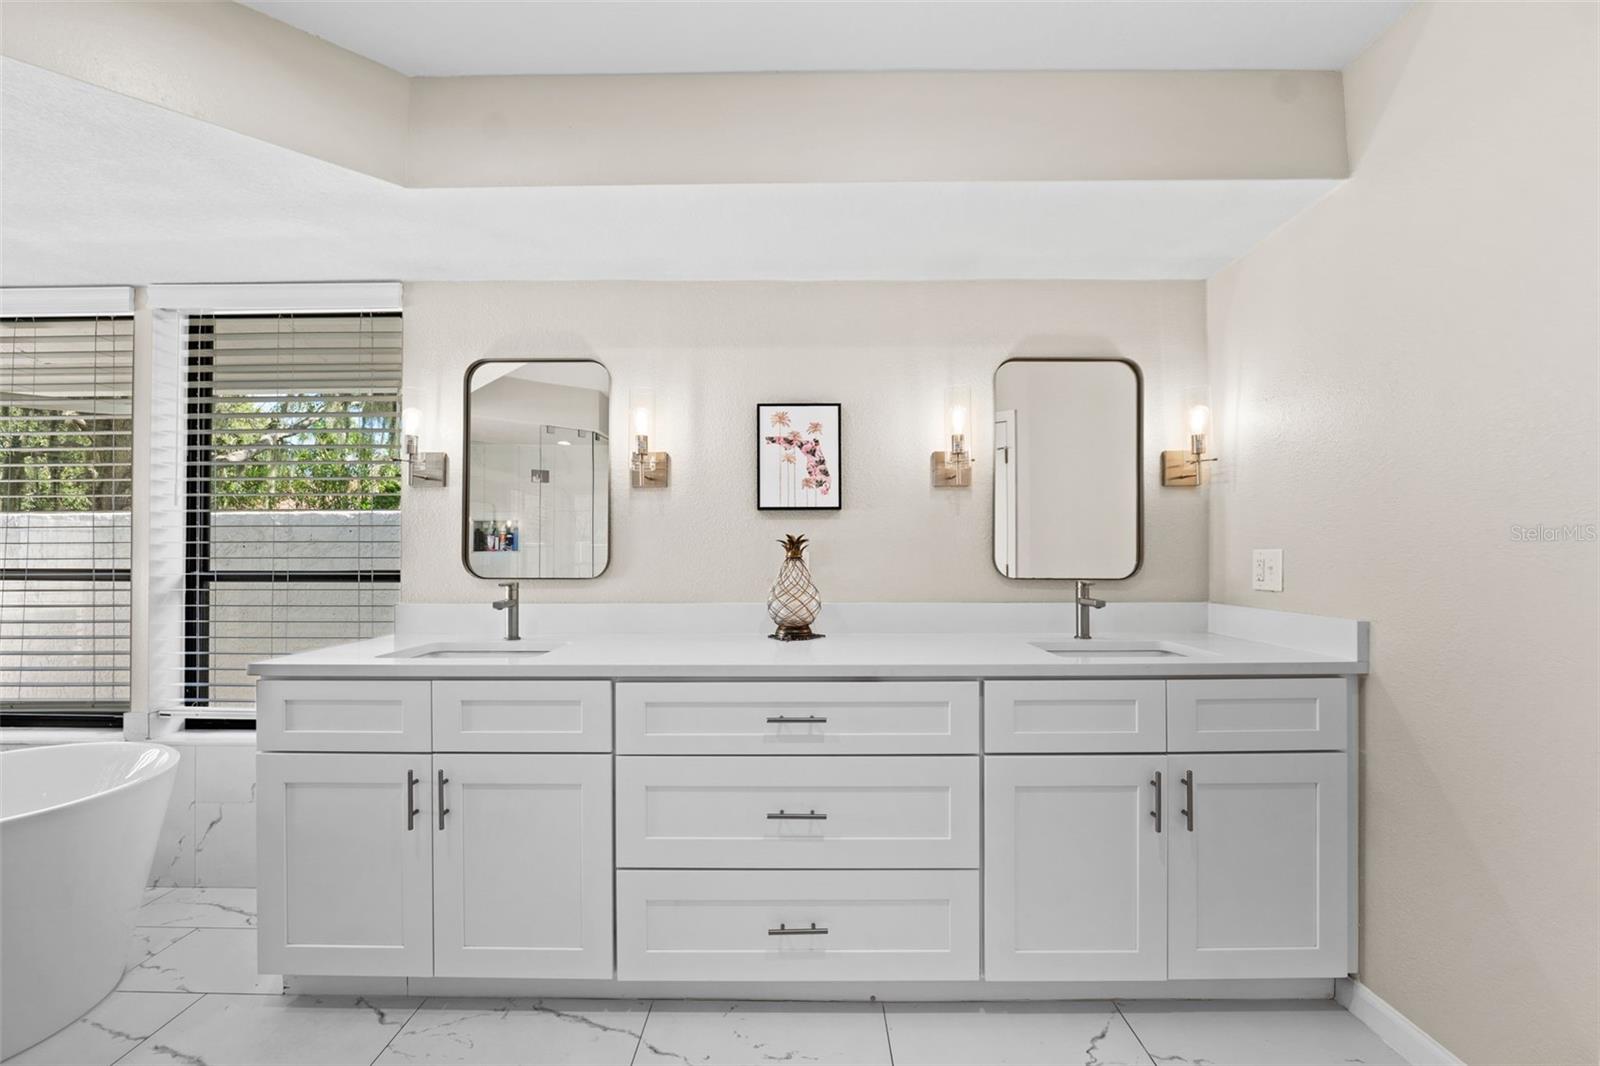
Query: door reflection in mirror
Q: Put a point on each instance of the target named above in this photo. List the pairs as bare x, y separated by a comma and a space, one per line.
1069, 499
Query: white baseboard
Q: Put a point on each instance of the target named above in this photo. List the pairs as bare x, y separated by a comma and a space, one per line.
1392, 1027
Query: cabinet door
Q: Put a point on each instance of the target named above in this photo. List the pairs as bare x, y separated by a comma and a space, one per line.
522, 866
1259, 877
1075, 879
346, 883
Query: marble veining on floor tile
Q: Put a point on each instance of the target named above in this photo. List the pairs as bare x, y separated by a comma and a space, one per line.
202, 908
1265, 1033
115, 1026
531, 1032
153, 940
709, 1034
207, 960
227, 1030
1011, 1034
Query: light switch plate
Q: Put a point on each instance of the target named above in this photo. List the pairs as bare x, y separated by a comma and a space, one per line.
1266, 570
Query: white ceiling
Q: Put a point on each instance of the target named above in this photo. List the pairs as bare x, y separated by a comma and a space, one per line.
100, 188
472, 37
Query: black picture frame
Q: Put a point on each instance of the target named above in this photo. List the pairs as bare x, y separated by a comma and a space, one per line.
835, 496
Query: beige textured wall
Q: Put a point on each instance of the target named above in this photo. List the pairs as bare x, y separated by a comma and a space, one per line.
904, 126
227, 64
223, 63
1404, 375
886, 351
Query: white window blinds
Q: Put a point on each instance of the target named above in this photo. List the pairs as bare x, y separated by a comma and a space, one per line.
66, 454
292, 488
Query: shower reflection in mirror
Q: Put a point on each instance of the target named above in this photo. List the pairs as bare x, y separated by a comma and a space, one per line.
538, 463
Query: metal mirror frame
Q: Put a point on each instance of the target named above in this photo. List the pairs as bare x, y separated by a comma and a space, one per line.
466, 471
1138, 461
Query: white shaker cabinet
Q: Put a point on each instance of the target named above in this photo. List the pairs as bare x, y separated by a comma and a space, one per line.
346, 843
522, 865
1075, 878
896, 831
1259, 867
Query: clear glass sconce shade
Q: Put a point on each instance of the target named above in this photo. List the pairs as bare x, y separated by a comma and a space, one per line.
642, 411
1199, 419
957, 416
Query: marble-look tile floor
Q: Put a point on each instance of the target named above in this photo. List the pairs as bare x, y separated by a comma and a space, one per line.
192, 996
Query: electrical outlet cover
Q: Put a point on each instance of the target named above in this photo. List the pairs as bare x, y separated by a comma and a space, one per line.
1266, 570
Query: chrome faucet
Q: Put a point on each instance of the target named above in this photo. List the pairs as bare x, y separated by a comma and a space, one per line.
512, 605
1085, 602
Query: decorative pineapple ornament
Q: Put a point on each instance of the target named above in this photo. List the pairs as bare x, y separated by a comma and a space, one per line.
794, 602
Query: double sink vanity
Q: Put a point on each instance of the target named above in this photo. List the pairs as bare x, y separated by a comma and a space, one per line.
938, 800
677, 809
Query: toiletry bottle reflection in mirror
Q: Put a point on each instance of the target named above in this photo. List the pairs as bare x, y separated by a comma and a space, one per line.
496, 536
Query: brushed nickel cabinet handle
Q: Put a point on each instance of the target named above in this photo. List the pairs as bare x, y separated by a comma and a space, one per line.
809, 816
1156, 814
784, 930
1188, 798
411, 800
443, 810
795, 719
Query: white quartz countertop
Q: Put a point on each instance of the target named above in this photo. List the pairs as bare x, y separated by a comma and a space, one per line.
845, 655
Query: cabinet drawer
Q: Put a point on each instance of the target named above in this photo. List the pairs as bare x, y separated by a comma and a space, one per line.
1258, 714
799, 718
735, 925
551, 716
1075, 716
795, 812
343, 716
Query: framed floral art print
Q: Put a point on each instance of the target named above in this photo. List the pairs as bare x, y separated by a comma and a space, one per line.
797, 457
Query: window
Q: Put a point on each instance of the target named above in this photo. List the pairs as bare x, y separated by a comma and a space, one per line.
292, 529
66, 480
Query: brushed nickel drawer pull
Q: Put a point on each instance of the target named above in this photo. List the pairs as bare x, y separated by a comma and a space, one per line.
411, 800
1156, 814
1188, 798
784, 930
795, 719
809, 816
443, 810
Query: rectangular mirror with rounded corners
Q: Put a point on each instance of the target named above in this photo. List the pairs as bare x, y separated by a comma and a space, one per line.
536, 498
1068, 454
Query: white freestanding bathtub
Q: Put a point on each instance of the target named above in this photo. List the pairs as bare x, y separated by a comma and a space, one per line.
78, 828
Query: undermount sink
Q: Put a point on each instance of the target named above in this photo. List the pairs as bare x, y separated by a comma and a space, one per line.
477, 649
1102, 650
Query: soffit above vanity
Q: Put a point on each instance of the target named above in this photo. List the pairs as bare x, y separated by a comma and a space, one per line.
165, 142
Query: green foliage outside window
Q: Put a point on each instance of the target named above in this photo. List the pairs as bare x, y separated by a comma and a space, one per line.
304, 454
51, 460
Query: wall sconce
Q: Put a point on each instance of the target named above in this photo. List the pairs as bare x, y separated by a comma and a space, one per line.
424, 468
1186, 469
650, 470
953, 468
